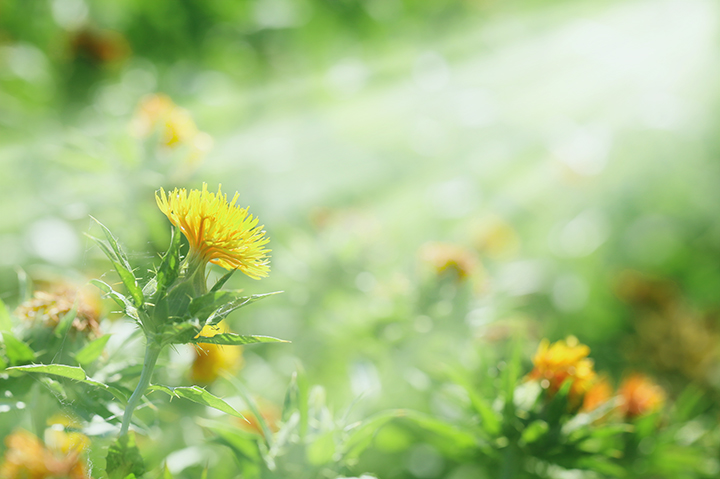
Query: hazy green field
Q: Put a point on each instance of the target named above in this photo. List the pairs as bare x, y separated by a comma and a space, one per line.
444, 184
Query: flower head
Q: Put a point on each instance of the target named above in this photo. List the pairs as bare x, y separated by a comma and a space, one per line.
46, 309
599, 393
564, 360
27, 458
218, 232
446, 258
640, 395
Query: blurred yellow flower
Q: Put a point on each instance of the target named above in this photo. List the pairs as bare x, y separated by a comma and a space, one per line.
47, 309
564, 360
218, 232
446, 258
640, 395
211, 359
27, 458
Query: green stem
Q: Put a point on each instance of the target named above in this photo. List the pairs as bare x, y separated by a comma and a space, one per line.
152, 351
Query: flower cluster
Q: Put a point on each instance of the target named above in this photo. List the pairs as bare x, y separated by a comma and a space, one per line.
567, 360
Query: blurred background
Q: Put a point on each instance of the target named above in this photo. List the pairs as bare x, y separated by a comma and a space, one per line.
436, 177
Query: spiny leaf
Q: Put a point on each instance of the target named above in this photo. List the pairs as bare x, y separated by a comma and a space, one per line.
221, 282
127, 306
75, 373
198, 395
232, 339
170, 266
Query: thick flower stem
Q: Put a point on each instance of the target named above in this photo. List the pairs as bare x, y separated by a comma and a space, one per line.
152, 351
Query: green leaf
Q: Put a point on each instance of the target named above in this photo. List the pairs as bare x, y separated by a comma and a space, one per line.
64, 324
170, 266
75, 373
198, 395
602, 466
127, 305
322, 449
120, 262
534, 431
450, 438
16, 351
92, 350
213, 307
5, 322
124, 459
241, 443
232, 339
490, 420
25, 284
362, 434
221, 282
245, 394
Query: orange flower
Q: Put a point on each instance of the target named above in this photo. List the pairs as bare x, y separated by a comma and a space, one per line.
211, 359
599, 393
561, 361
446, 258
640, 395
27, 458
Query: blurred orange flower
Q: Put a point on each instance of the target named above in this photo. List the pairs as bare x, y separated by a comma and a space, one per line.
211, 359
27, 458
560, 361
640, 395
599, 393
446, 258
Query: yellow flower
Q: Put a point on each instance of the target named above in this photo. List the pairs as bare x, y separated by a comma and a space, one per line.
211, 359
640, 395
564, 360
27, 458
446, 258
46, 309
159, 113
218, 232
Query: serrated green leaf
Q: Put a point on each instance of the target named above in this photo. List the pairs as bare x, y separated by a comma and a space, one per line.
16, 351
92, 350
127, 306
170, 265
213, 307
232, 339
75, 373
124, 459
197, 395
120, 262
5, 321
221, 282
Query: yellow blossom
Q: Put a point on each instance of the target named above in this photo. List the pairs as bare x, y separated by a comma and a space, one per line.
640, 395
211, 359
564, 360
27, 458
218, 232
446, 258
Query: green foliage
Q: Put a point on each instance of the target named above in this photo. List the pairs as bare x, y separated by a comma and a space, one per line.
124, 459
